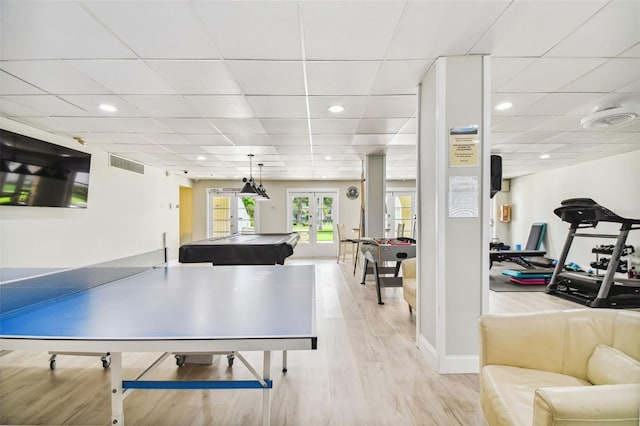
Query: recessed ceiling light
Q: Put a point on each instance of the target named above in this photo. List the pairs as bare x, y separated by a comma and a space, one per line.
107, 108
201, 157
336, 108
503, 106
545, 156
327, 158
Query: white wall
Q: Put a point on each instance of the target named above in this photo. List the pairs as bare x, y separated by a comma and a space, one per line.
612, 182
127, 214
272, 214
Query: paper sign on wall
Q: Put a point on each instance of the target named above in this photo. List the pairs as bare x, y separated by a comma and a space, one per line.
463, 147
463, 196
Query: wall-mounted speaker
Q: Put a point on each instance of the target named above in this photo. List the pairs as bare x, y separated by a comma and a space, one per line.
496, 174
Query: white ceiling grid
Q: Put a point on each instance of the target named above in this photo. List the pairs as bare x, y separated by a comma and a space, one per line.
198, 85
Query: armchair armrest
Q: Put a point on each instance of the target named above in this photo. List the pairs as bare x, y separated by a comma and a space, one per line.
614, 404
523, 340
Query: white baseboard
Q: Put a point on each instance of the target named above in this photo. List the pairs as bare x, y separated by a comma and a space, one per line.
450, 364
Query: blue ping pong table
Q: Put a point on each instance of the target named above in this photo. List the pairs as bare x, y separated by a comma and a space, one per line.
168, 310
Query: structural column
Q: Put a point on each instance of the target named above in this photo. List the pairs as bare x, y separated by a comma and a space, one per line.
374, 197
453, 210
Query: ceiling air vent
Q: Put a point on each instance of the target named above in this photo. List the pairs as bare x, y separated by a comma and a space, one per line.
608, 117
128, 165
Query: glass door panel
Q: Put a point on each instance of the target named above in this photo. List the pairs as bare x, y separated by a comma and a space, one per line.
311, 214
221, 216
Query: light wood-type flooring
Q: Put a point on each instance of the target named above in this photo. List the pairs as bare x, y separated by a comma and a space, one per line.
366, 371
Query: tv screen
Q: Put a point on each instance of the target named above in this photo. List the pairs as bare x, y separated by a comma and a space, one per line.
39, 173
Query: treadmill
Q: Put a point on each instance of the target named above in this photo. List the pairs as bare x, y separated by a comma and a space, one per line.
609, 290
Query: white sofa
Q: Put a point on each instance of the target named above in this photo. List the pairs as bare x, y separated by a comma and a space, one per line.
575, 367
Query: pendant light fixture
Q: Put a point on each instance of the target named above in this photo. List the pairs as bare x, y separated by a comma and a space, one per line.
249, 188
261, 189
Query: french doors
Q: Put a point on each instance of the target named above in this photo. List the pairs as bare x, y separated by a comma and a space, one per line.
312, 214
400, 213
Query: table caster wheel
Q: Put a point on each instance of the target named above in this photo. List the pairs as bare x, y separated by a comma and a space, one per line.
106, 362
230, 359
180, 360
52, 364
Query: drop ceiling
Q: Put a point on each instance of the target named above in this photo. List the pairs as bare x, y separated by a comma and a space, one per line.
198, 85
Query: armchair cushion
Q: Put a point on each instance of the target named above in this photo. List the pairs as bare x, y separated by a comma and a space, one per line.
587, 405
609, 366
409, 282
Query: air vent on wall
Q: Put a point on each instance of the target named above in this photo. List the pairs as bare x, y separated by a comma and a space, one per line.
124, 164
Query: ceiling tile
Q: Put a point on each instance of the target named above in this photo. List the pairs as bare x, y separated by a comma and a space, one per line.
429, 20
143, 27
268, 77
250, 139
55, 77
124, 76
520, 102
48, 124
66, 28
334, 126
504, 69
353, 106
196, 77
280, 139
189, 125
595, 37
162, 105
12, 109
204, 140
47, 105
381, 125
391, 106
519, 123
560, 124
115, 125
614, 74
633, 52
331, 140
278, 106
341, 78
253, 29
550, 74
221, 106
91, 103
238, 125
400, 77
531, 28
9, 85
347, 30
285, 126
372, 139
404, 139
560, 103
111, 138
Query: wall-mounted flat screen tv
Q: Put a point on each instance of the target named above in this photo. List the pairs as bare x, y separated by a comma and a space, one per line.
39, 173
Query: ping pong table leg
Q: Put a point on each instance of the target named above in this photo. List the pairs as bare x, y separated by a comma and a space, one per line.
266, 396
117, 413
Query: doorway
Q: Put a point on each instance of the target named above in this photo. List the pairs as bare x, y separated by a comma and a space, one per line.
229, 213
312, 214
401, 214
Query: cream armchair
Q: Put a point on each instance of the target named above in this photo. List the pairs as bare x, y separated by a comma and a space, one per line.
409, 282
576, 367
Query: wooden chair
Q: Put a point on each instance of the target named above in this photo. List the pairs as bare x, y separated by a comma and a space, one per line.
344, 244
